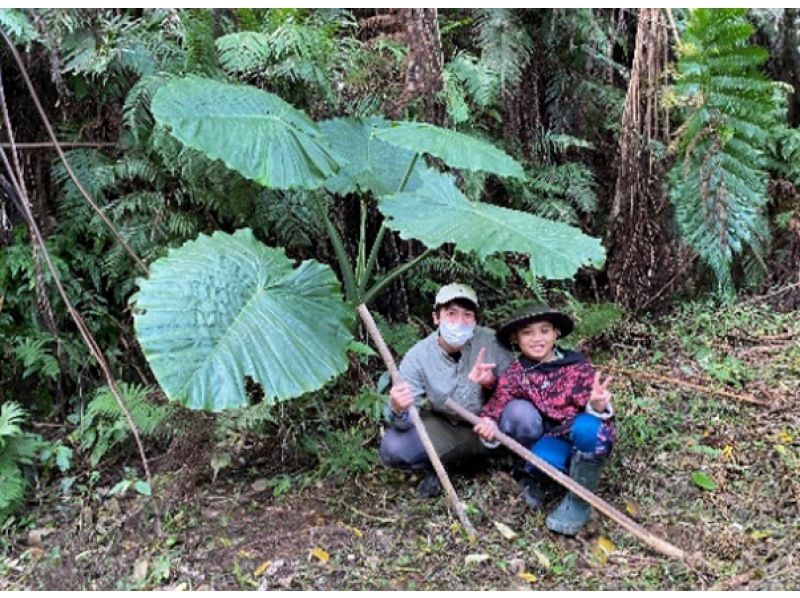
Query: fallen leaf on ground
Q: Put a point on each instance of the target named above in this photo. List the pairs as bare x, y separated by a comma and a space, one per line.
357, 532
529, 577
542, 558
602, 550
516, 566
262, 568
260, 485
476, 559
505, 531
320, 555
140, 570
703, 480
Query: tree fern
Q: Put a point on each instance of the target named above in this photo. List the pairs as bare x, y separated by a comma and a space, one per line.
136, 113
718, 185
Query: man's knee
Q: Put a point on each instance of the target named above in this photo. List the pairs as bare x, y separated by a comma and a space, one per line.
522, 421
399, 450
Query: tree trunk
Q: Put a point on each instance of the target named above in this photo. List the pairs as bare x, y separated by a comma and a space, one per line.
424, 64
790, 58
642, 253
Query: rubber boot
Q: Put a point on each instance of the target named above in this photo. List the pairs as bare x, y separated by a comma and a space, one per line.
430, 486
572, 512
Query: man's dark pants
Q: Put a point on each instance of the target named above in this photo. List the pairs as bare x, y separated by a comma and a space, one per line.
455, 442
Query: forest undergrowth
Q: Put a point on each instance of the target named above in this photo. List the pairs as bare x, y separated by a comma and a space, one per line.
708, 472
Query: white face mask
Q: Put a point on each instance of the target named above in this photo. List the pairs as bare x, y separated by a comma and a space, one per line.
456, 335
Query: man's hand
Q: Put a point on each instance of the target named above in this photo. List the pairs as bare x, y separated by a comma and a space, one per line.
400, 398
482, 372
485, 428
600, 393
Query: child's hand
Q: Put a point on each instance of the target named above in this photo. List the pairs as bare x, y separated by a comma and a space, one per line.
600, 394
482, 372
486, 428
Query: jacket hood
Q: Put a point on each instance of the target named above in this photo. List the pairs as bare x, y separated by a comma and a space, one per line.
568, 358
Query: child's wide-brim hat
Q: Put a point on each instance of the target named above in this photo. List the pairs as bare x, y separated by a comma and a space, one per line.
534, 313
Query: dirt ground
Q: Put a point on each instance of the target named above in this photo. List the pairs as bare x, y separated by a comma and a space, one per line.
371, 532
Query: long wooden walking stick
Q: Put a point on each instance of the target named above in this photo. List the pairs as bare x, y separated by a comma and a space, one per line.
377, 338
598, 503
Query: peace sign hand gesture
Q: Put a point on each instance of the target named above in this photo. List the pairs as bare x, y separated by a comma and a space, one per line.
482, 372
600, 394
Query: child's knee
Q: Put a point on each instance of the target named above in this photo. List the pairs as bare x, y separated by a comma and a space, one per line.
522, 421
553, 450
592, 435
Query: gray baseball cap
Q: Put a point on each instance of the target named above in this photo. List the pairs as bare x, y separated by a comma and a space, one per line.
454, 291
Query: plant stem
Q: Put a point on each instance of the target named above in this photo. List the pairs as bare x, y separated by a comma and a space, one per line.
391, 275
373, 254
410, 169
341, 255
362, 246
373, 257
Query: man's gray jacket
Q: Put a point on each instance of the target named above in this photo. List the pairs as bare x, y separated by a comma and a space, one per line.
432, 373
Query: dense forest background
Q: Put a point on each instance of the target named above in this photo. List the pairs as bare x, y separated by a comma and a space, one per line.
671, 136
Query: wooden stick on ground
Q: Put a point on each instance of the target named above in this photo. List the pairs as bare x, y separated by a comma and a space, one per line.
743, 397
377, 338
598, 503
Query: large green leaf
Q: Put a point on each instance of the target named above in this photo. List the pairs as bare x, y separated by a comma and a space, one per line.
371, 165
253, 132
454, 148
224, 307
439, 213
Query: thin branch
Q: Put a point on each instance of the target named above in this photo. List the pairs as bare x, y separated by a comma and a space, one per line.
673, 27
51, 145
741, 397
57, 146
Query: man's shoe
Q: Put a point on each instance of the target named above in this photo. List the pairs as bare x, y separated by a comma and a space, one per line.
430, 486
572, 512
534, 491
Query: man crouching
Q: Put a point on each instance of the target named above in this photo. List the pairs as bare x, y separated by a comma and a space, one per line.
459, 361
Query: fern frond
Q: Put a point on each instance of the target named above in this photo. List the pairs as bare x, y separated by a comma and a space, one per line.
477, 77
146, 415
17, 25
245, 52
136, 110
11, 417
505, 45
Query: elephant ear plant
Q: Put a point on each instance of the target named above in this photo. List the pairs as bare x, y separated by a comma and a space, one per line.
224, 306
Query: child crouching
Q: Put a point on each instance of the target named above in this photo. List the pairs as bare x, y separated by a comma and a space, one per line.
575, 417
